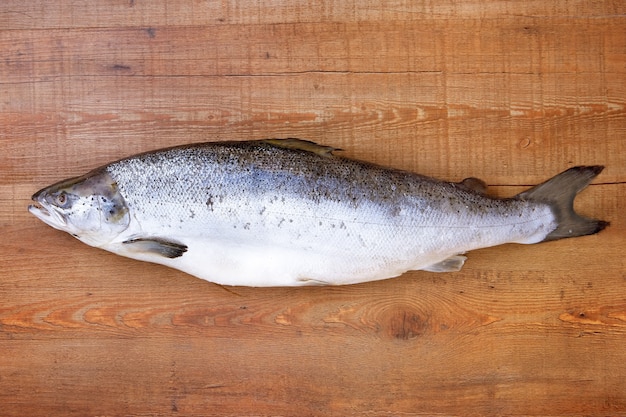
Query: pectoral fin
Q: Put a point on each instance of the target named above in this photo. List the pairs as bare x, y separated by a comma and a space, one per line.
451, 264
158, 246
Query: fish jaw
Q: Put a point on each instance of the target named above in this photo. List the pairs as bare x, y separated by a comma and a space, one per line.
45, 208
46, 213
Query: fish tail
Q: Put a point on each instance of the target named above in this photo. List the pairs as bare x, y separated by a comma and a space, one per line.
559, 193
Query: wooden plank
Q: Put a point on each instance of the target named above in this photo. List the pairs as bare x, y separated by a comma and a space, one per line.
15, 14
512, 92
519, 46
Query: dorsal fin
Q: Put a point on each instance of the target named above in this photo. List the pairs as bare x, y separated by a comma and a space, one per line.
302, 145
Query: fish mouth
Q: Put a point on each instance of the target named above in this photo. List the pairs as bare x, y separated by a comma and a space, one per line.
47, 214
38, 210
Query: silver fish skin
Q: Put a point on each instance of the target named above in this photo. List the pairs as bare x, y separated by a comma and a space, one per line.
289, 212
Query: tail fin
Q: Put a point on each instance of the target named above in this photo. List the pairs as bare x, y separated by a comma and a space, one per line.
559, 193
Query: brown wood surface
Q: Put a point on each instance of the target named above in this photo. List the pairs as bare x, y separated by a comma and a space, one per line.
511, 92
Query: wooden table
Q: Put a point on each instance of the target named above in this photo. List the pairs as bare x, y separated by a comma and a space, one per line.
511, 92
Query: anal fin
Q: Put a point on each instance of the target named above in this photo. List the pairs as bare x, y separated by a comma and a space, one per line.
157, 246
451, 264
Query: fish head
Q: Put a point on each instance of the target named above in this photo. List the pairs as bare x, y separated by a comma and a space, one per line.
89, 207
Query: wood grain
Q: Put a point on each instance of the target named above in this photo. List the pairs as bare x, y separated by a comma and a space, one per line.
511, 92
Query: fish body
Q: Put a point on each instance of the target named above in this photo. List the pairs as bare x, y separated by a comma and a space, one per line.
290, 212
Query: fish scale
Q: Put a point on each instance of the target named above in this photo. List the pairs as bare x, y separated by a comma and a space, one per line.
290, 212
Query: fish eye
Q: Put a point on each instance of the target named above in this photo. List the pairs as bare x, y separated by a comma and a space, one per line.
62, 199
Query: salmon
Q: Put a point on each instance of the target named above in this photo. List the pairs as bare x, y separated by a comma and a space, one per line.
289, 212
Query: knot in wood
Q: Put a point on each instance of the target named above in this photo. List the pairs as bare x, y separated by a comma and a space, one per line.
404, 324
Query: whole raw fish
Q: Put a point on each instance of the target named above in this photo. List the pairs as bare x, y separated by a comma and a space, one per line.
289, 212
